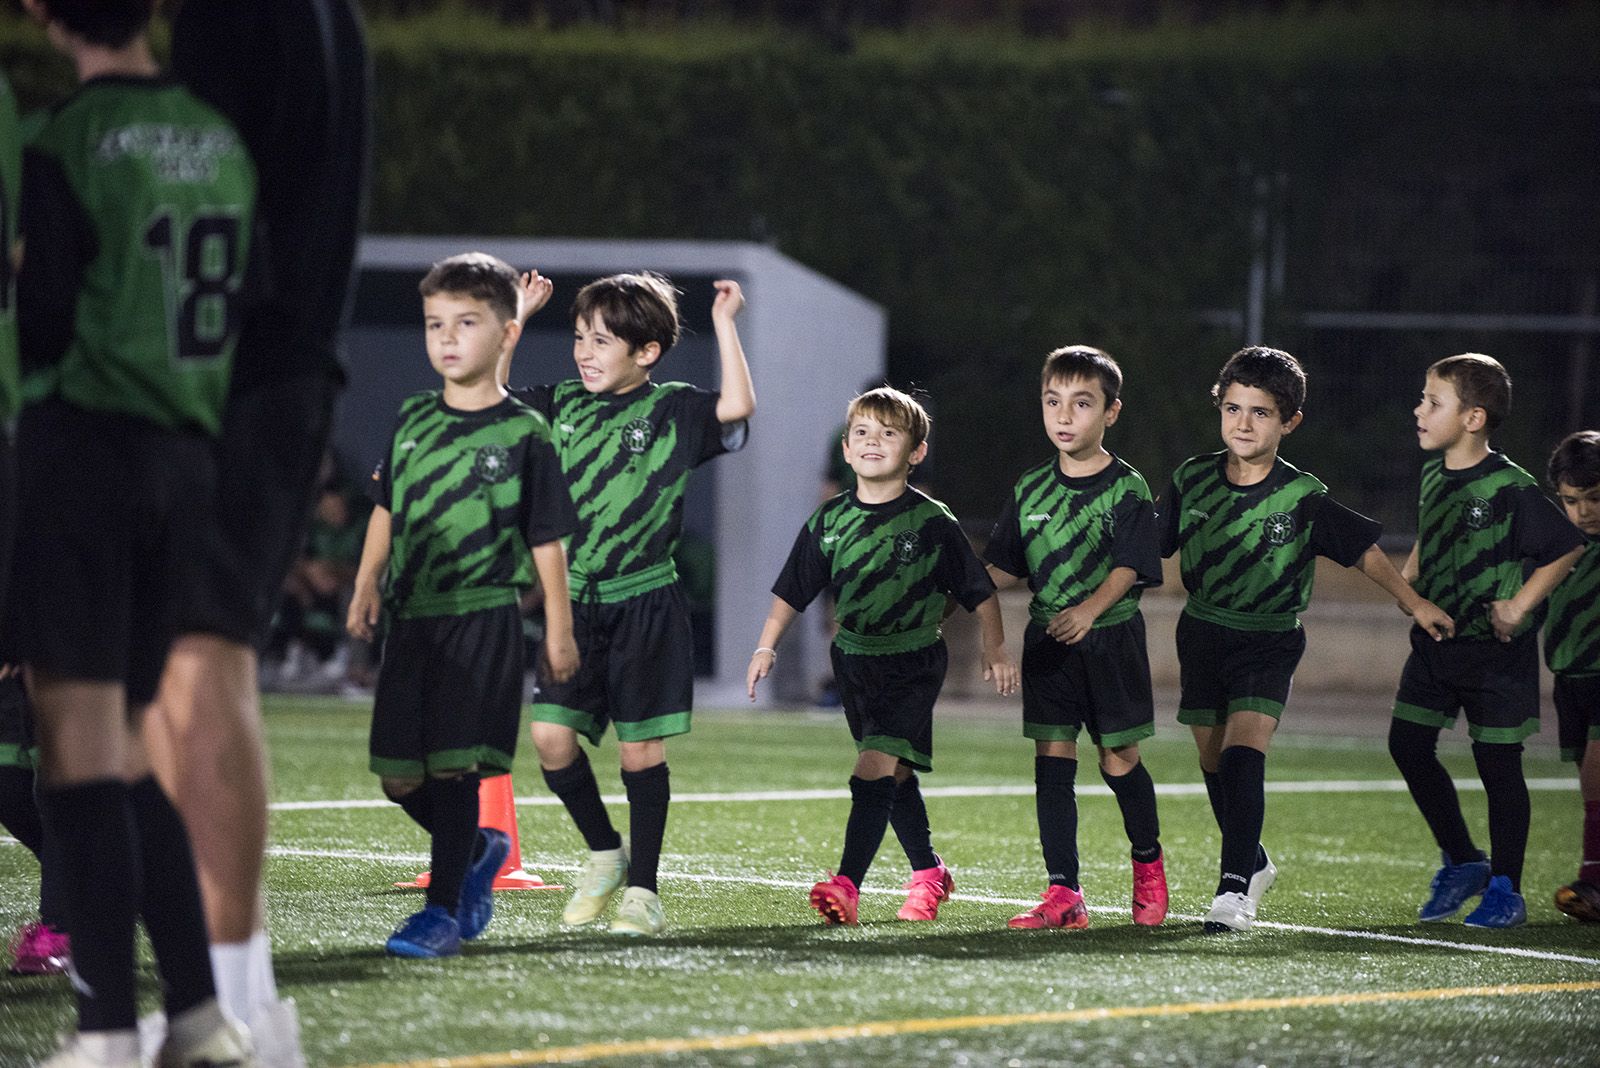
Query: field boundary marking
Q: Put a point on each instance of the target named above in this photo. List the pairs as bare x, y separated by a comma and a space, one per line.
931, 1025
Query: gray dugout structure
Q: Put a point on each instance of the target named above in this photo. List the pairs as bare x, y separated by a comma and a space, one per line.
810, 343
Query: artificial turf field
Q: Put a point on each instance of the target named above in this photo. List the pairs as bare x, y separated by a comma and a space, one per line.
1336, 971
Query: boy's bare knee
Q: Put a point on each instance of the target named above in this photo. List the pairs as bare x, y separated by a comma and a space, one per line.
557, 745
1119, 760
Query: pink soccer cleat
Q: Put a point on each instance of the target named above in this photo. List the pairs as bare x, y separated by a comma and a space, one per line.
928, 887
837, 898
40, 949
1150, 892
1062, 907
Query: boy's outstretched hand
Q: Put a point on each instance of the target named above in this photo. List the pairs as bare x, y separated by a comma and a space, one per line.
730, 299
1002, 670
760, 667
533, 293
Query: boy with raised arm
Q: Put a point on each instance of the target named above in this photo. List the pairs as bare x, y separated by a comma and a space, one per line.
1081, 529
894, 560
470, 491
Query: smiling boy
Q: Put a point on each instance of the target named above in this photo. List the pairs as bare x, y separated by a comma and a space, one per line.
1082, 530
894, 559
1490, 548
1248, 527
470, 492
1572, 652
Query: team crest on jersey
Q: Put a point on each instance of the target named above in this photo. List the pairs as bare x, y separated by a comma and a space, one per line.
906, 544
636, 435
1108, 523
493, 463
1480, 513
1278, 528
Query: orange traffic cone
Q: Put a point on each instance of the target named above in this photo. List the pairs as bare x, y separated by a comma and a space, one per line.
497, 808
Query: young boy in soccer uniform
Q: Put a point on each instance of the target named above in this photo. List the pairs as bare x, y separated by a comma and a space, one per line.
627, 445
1248, 527
1490, 548
470, 485
1081, 529
136, 205
894, 560
1572, 652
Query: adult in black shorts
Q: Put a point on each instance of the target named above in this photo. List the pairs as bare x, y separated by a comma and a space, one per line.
293, 77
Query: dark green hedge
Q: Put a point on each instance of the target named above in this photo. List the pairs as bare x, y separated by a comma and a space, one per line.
1001, 196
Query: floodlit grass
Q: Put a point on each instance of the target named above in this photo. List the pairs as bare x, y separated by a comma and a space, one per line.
744, 954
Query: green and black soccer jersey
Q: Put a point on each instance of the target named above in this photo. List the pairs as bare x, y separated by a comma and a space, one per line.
1248, 553
137, 201
1480, 532
1572, 630
627, 459
10, 186
1068, 534
890, 566
469, 493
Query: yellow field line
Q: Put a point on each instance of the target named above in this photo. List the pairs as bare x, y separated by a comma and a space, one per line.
888, 1028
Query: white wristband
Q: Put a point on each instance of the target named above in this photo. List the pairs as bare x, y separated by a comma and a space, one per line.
764, 649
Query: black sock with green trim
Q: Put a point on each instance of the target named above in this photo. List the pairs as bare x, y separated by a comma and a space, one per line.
1055, 802
575, 785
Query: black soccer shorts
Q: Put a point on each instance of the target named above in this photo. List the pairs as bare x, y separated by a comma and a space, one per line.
1577, 713
1496, 683
888, 699
1100, 684
1222, 670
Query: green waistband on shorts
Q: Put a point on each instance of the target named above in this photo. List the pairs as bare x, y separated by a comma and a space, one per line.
1227, 617
456, 602
587, 587
1120, 612
905, 641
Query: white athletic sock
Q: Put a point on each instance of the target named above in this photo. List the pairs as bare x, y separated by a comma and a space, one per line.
109, 1047
243, 972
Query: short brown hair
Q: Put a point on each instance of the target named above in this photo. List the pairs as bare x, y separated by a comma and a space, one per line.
1576, 460
1269, 370
477, 275
108, 23
1083, 361
1480, 382
891, 407
638, 307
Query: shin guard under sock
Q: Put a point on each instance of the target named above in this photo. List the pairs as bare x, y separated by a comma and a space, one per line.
454, 833
1500, 768
1414, 749
1243, 775
649, 793
909, 817
1055, 802
1136, 796
173, 916
575, 785
92, 824
871, 804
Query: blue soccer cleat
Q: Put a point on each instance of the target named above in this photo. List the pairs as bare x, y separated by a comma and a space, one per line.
476, 907
1452, 885
1501, 906
433, 932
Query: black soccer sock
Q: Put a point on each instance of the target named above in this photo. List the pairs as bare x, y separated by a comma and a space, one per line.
1243, 775
649, 792
1136, 796
173, 916
871, 805
52, 892
92, 824
1214, 792
909, 817
1413, 747
19, 809
1500, 768
575, 785
418, 804
1055, 802
455, 829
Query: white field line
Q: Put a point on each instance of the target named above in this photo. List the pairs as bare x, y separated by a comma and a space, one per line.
414, 859
1176, 789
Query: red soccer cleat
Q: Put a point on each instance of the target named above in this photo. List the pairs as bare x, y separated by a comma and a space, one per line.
928, 887
837, 898
1150, 892
1062, 907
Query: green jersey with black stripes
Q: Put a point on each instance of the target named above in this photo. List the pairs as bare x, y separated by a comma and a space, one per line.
137, 203
892, 568
10, 184
1480, 531
627, 459
1068, 534
1248, 553
1572, 630
469, 492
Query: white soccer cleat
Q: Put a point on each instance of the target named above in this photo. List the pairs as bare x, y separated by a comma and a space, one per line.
1261, 882
275, 1032
602, 876
206, 1037
640, 913
1230, 912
